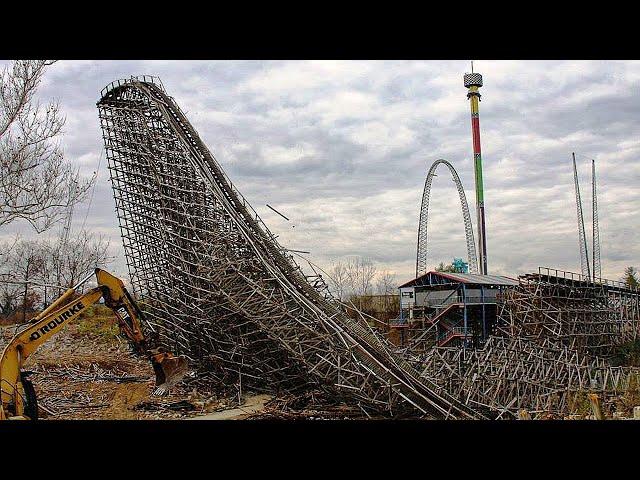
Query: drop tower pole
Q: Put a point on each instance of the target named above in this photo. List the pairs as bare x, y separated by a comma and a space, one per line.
473, 82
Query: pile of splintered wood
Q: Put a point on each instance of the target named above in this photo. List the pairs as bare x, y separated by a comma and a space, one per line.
94, 373
59, 400
311, 405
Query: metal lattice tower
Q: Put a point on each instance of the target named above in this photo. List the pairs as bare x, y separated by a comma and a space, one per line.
582, 237
423, 239
595, 253
216, 285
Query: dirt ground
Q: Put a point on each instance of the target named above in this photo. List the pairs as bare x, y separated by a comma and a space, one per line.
87, 372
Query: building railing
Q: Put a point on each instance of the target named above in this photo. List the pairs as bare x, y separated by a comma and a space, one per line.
578, 277
453, 300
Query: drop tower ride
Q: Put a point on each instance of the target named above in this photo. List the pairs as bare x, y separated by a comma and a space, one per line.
473, 82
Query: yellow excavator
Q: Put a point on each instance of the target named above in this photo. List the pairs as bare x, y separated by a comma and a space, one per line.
18, 394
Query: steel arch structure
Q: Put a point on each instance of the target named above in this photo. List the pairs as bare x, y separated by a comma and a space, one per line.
421, 257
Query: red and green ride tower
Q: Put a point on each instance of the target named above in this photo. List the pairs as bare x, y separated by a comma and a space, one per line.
473, 82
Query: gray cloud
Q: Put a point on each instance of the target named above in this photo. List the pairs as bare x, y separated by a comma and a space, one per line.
342, 148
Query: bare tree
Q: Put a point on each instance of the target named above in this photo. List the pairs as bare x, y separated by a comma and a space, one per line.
360, 272
339, 281
9, 297
9, 291
36, 183
23, 262
67, 262
386, 282
41, 266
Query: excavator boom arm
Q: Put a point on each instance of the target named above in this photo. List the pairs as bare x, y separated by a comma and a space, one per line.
168, 369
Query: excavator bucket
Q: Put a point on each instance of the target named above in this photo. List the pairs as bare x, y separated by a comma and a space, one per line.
169, 370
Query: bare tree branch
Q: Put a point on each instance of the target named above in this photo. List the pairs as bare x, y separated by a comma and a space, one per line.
37, 264
36, 183
386, 283
339, 281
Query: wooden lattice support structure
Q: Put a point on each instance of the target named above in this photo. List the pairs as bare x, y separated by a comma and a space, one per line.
555, 332
513, 373
217, 286
588, 316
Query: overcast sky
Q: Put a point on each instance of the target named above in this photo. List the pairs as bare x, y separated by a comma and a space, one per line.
342, 148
